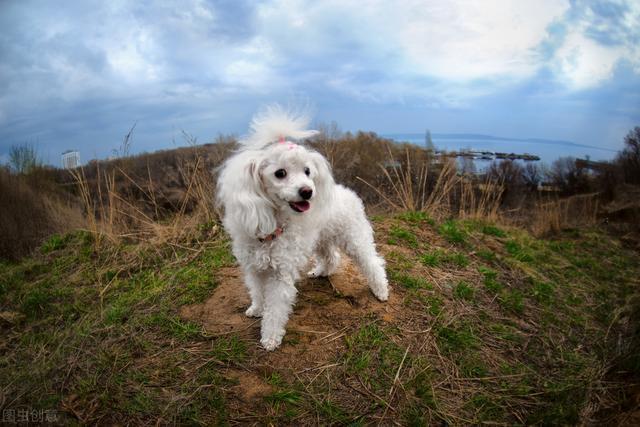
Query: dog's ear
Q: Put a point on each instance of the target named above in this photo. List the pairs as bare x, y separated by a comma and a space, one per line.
241, 193
324, 181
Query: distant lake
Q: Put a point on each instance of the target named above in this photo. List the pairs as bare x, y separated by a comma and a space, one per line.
547, 150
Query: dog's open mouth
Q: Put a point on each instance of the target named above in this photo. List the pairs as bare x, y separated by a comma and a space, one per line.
300, 206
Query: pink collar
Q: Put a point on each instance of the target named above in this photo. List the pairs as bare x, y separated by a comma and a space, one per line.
271, 237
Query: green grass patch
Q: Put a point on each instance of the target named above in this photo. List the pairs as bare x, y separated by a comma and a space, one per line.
453, 232
411, 282
437, 257
464, 291
512, 300
456, 338
492, 230
490, 280
55, 242
416, 217
399, 234
518, 251
542, 292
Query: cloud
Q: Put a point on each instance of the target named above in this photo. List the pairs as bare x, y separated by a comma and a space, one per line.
599, 37
72, 70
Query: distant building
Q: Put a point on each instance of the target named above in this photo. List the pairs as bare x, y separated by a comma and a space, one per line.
70, 159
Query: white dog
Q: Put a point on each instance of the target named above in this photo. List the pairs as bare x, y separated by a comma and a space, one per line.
281, 207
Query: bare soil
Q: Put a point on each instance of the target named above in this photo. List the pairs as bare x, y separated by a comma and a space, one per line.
325, 310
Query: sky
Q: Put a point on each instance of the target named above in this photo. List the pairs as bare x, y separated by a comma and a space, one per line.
79, 74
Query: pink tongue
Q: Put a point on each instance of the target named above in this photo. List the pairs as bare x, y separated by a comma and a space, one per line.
302, 206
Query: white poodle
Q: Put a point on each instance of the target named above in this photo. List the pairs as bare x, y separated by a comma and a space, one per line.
281, 207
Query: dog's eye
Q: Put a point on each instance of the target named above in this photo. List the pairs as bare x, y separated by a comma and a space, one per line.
281, 173
307, 171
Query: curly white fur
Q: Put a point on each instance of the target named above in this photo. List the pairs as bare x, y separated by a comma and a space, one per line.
277, 223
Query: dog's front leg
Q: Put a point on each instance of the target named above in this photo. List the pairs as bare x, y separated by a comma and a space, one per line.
279, 296
255, 284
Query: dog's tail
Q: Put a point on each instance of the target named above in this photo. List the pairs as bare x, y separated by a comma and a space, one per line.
276, 123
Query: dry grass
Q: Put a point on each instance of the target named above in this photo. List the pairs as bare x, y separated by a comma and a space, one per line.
436, 188
572, 212
121, 205
31, 212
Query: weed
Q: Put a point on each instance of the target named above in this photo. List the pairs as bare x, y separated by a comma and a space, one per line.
471, 366
505, 332
492, 230
411, 282
542, 292
439, 256
399, 261
333, 413
229, 349
463, 291
174, 326
456, 339
457, 259
434, 303
518, 251
490, 280
398, 233
486, 407
487, 255
432, 259
54, 243
512, 300
416, 217
452, 232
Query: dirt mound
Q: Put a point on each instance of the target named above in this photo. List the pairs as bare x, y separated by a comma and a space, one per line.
326, 309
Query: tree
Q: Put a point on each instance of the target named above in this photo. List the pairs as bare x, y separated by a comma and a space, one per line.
629, 158
23, 158
505, 171
568, 177
533, 174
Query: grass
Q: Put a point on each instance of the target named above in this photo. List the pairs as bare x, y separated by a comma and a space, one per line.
438, 257
399, 234
453, 232
464, 291
484, 326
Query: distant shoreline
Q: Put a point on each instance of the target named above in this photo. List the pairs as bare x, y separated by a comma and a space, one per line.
543, 150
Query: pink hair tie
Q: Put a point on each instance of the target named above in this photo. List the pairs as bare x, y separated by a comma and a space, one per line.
281, 141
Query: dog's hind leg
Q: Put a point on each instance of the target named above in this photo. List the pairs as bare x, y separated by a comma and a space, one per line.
279, 296
358, 244
327, 259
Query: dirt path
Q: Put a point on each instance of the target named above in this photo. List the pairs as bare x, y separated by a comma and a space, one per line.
325, 310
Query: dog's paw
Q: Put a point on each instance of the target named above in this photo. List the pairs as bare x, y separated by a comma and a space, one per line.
317, 271
253, 311
270, 344
381, 293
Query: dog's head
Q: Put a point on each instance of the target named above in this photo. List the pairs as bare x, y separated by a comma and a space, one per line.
293, 176
278, 178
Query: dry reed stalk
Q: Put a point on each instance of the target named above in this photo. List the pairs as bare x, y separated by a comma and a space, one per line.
80, 179
487, 205
442, 190
552, 217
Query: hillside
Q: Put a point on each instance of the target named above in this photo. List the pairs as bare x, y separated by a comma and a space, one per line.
485, 324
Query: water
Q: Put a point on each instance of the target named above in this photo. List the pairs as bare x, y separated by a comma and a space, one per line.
547, 150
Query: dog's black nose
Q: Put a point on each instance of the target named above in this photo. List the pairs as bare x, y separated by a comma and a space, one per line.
305, 193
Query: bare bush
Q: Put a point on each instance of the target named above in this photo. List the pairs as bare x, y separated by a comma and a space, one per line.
23, 158
568, 176
629, 157
533, 175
